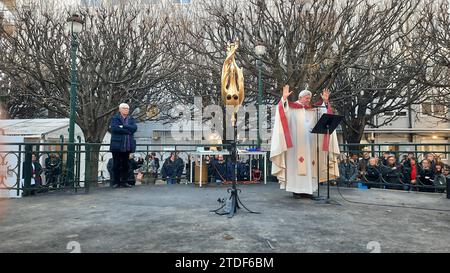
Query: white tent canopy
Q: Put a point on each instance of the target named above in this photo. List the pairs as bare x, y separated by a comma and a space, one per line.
42, 129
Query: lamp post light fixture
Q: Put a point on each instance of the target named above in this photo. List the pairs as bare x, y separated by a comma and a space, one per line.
74, 26
260, 50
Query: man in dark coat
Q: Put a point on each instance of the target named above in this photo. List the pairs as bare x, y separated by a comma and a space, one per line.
179, 163
156, 159
36, 172
122, 129
52, 170
447, 175
221, 171
426, 176
393, 175
373, 174
348, 170
169, 170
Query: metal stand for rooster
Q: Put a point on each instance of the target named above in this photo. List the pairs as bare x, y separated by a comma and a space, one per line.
232, 95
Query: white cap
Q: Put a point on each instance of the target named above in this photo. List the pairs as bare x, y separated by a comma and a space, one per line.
304, 93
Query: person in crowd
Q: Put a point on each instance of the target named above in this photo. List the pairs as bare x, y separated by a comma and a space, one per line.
392, 174
355, 159
410, 171
179, 167
403, 160
406, 163
414, 170
438, 161
242, 170
373, 174
447, 174
363, 162
122, 128
156, 159
439, 178
132, 166
188, 165
385, 157
151, 166
377, 160
426, 176
211, 163
432, 159
169, 170
220, 170
411, 156
52, 170
36, 172
109, 167
140, 162
348, 170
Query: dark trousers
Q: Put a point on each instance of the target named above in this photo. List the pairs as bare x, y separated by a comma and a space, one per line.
120, 167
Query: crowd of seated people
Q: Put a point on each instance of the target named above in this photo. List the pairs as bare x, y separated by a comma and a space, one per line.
221, 170
390, 172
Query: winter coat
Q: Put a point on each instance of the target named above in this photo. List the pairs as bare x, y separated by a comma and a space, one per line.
122, 131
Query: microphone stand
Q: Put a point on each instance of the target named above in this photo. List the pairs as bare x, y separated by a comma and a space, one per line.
318, 197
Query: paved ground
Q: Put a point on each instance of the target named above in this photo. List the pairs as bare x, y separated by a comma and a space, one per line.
177, 219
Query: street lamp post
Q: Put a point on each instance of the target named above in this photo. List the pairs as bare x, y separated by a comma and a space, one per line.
74, 26
260, 50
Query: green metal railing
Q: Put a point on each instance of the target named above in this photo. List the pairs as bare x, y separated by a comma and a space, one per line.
85, 154
377, 149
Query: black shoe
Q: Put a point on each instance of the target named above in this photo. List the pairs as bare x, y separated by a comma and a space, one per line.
126, 185
302, 196
297, 195
115, 186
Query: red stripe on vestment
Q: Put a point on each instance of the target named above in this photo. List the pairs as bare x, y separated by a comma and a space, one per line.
284, 123
326, 139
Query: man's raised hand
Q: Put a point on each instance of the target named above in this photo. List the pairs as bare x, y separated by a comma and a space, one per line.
286, 92
326, 95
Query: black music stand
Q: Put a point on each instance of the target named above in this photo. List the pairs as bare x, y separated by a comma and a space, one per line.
326, 125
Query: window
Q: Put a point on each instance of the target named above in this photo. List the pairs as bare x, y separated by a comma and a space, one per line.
435, 108
439, 110
427, 108
398, 114
437, 104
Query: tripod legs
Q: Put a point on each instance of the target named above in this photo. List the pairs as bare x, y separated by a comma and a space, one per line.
235, 203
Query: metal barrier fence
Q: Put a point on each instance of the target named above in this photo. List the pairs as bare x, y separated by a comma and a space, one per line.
15, 164
55, 175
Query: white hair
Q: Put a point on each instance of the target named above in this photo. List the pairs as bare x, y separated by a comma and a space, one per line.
304, 93
123, 105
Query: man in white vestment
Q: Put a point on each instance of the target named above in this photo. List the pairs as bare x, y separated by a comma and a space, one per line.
294, 148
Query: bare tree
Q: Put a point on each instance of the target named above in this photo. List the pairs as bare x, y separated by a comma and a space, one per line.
121, 58
430, 50
314, 44
380, 85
